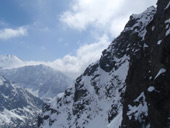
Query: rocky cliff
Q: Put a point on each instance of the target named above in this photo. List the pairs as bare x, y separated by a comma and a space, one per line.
147, 96
128, 87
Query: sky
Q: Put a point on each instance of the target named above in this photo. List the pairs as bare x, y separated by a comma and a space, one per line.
71, 33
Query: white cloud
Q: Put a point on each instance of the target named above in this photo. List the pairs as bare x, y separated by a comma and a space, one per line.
110, 15
8, 33
86, 54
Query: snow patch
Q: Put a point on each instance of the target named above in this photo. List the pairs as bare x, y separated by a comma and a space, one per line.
167, 27
35, 93
138, 111
162, 70
167, 21
122, 71
159, 42
153, 28
148, 126
168, 32
145, 45
167, 6
151, 88
116, 122
7, 116
60, 95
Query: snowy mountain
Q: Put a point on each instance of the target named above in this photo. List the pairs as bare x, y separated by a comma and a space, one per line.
128, 87
18, 107
10, 61
40, 80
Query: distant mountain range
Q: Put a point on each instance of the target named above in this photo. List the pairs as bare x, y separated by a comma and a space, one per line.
42, 81
22, 89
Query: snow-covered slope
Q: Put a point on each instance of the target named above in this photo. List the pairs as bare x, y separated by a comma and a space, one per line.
18, 108
96, 100
40, 80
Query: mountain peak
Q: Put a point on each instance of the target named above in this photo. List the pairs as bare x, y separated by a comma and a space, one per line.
42, 81
10, 61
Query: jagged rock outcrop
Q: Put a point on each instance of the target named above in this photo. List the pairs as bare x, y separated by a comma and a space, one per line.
18, 107
128, 87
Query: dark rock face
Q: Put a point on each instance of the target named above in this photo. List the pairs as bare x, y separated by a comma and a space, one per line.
149, 76
129, 86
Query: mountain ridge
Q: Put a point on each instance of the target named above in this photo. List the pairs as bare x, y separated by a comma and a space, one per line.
18, 107
42, 81
97, 98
